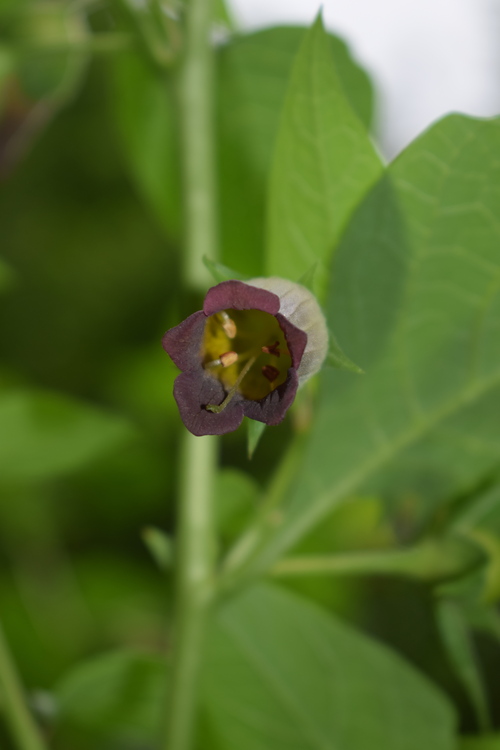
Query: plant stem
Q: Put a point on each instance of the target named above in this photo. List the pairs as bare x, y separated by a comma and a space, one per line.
19, 720
196, 96
194, 547
194, 553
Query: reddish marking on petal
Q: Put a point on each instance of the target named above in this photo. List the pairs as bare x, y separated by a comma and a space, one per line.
270, 372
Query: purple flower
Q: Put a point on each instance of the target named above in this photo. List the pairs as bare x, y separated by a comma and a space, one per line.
245, 353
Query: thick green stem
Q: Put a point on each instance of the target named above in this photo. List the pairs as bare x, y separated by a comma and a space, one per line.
197, 102
17, 717
194, 554
195, 545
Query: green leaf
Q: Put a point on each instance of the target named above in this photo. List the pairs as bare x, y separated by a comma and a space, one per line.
323, 164
46, 434
118, 695
144, 110
416, 298
490, 742
236, 495
221, 272
255, 430
337, 358
282, 673
253, 74
160, 546
456, 638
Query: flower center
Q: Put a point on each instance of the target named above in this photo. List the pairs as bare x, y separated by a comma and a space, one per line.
246, 351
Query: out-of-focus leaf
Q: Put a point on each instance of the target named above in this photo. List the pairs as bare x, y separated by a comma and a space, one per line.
488, 742
255, 432
336, 357
143, 100
416, 299
323, 164
160, 546
254, 71
6, 275
46, 434
6, 67
221, 272
236, 496
118, 695
281, 673
456, 639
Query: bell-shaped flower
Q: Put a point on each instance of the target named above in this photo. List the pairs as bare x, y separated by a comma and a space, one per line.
246, 353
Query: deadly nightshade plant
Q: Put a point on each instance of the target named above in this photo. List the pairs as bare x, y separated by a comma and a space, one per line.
246, 353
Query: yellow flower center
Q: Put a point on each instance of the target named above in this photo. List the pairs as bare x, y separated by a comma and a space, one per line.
246, 351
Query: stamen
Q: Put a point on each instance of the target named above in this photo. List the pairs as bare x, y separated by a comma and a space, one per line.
272, 349
228, 358
216, 409
228, 325
270, 372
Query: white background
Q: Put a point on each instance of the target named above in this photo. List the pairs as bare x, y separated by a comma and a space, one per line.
426, 57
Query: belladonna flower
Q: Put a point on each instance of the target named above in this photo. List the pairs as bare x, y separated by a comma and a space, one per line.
246, 353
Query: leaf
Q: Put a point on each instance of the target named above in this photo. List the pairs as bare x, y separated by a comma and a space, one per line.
117, 695
236, 495
281, 673
337, 358
160, 545
144, 112
7, 276
46, 434
456, 639
416, 298
221, 272
255, 430
323, 164
489, 742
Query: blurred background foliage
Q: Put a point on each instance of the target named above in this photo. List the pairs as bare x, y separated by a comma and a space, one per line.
91, 225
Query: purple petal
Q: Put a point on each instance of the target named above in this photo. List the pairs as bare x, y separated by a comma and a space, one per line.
236, 295
193, 391
295, 337
273, 407
183, 343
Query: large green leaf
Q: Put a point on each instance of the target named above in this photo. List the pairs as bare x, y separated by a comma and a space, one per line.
253, 74
323, 164
280, 673
416, 302
45, 434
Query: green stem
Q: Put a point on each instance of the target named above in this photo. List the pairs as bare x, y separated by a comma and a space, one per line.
19, 720
194, 553
194, 547
431, 560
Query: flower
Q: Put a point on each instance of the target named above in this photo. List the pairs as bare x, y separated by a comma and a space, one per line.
245, 353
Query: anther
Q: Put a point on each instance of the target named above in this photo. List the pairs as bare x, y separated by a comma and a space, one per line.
270, 372
228, 358
228, 325
274, 349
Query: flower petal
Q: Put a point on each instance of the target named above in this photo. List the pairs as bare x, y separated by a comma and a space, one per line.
237, 295
183, 343
193, 391
295, 338
272, 408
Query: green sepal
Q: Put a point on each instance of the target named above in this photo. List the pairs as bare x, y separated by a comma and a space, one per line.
221, 272
255, 430
336, 357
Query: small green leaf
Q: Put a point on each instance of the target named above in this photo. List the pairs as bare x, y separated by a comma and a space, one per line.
160, 546
46, 434
221, 272
336, 357
255, 430
323, 164
281, 673
117, 696
456, 638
